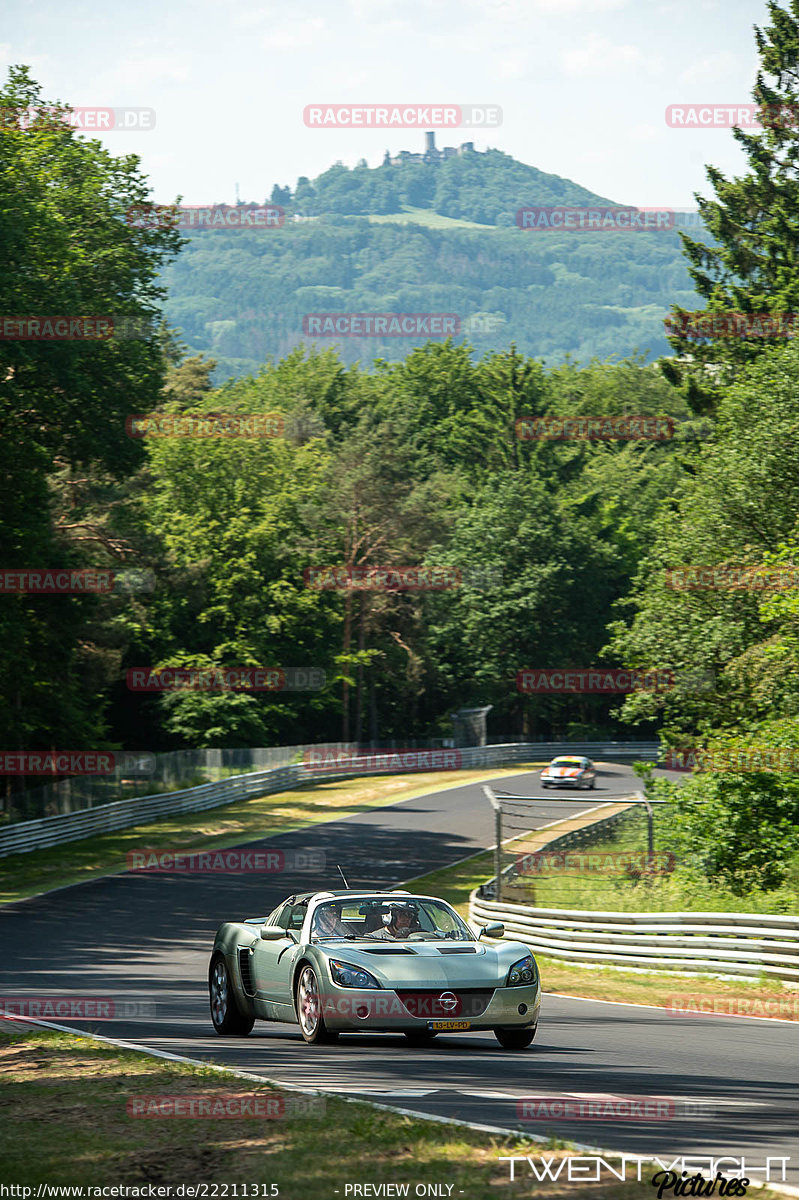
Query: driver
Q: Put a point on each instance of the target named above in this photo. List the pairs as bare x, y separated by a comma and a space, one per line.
327, 923
399, 922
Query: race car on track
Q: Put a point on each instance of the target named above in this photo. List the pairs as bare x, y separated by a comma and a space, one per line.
343, 961
569, 771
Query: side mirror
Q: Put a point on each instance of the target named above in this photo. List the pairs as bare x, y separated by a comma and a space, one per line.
273, 933
492, 929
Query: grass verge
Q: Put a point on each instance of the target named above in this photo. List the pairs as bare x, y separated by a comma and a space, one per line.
67, 1122
762, 997
217, 828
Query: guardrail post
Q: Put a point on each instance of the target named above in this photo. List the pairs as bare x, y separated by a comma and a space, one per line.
497, 807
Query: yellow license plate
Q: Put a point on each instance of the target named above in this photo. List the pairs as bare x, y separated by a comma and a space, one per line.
443, 1026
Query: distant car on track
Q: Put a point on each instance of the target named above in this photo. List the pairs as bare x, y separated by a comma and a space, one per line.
343, 961
569, 771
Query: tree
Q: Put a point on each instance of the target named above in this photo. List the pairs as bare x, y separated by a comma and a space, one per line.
751, 265
69, 250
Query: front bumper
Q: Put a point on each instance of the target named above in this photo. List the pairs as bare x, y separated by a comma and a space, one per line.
563, 780
383, 1010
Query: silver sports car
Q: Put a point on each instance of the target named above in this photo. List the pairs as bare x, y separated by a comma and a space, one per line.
336, 962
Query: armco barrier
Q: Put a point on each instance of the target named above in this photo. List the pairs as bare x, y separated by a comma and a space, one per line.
121, 814
722, 943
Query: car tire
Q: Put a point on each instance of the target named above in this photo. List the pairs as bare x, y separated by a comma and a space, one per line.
593, 784
420, 1037
228, 1019
514, 1039
309, 1008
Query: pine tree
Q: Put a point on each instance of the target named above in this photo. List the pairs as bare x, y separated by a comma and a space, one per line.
751, 267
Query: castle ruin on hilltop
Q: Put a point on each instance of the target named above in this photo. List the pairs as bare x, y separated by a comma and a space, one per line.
431, 153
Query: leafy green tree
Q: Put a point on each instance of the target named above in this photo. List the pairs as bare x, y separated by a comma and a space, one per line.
69, 250
750, 266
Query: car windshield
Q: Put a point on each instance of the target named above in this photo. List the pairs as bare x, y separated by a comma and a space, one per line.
567, 762
419, 919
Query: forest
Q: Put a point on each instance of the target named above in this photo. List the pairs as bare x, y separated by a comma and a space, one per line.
557, 551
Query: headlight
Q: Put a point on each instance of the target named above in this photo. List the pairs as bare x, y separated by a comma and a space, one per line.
348, 976
521, 972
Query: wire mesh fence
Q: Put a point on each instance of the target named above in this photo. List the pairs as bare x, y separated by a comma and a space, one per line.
598, 857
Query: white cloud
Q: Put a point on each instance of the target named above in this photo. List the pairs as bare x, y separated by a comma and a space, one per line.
710, 68
599, 56
293, 35
144, 70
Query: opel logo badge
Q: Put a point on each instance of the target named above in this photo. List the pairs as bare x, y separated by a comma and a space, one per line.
448, 1001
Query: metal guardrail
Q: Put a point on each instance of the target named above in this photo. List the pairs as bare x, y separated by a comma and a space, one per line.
730, 943
25, 836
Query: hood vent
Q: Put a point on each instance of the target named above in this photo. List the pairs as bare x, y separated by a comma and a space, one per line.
388, 950
457, 950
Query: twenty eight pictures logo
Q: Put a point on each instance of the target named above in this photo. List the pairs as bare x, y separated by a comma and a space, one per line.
402, 116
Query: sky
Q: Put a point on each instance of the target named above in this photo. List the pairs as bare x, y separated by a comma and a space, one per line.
583, 85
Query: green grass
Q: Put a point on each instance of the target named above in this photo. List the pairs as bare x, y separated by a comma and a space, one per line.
425, 216
66, 1122
757, 997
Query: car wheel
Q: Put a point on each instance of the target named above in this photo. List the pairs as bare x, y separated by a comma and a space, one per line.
309, 1009
514, 1039
226, 1015
593, 784
420, 1037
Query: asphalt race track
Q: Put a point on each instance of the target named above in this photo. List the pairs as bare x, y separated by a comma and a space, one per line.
147, 937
